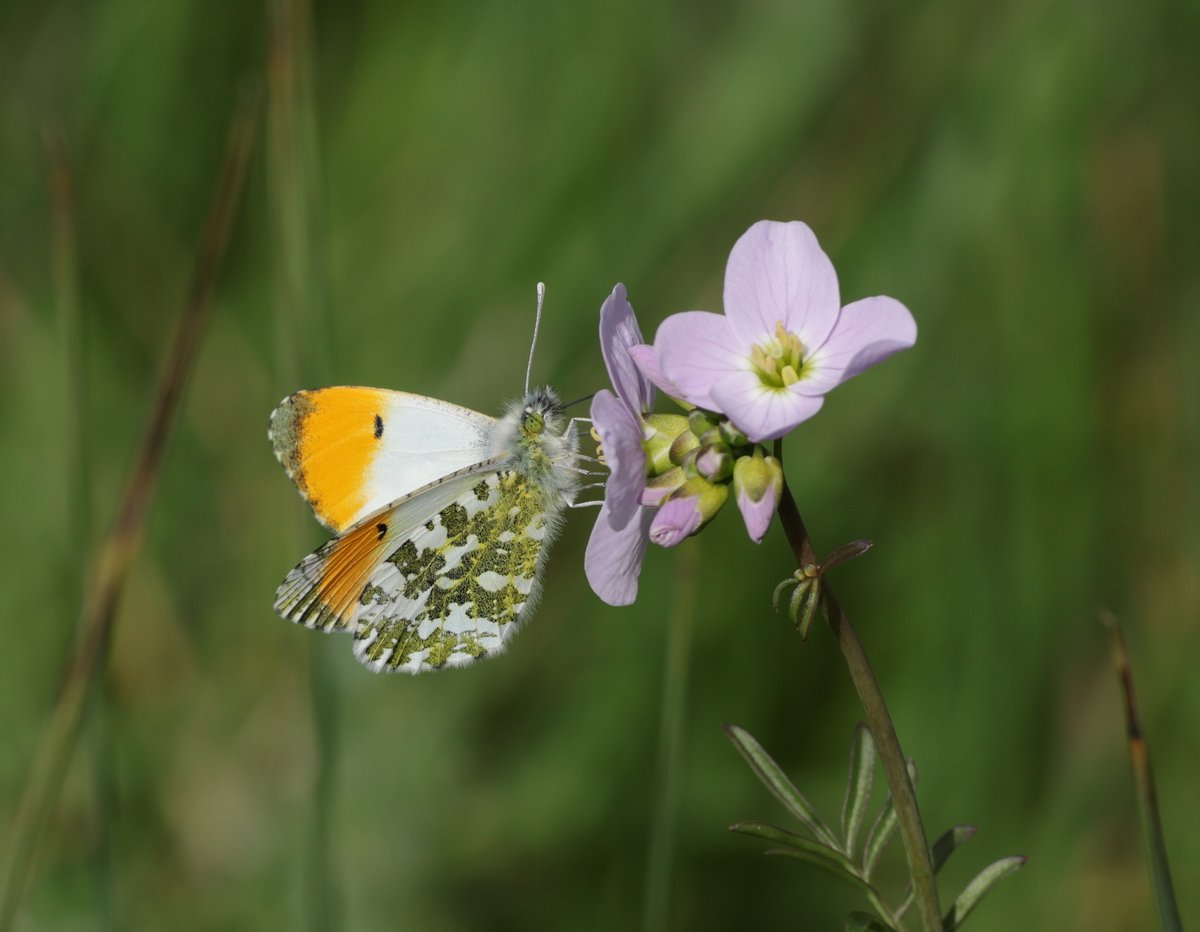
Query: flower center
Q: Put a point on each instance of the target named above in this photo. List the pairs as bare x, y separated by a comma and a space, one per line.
779, 362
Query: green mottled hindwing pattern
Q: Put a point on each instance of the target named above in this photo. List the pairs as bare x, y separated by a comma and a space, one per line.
455, 588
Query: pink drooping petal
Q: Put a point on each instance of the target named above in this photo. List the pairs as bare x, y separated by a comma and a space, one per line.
653, 495
866, 332
695, 349
675, 520
613, 559
647, 361
621, 440
762, 413
757, 515
777, 273
618, 332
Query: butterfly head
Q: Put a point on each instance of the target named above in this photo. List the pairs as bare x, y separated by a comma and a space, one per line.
541, 411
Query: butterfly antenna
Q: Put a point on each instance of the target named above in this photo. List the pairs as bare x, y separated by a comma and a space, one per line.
577, 401
537, 322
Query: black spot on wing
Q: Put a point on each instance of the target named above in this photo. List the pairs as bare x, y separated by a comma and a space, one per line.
378, 426
382, 529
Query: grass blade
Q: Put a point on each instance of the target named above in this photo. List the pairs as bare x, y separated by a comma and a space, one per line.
117, 551
858, 786
1143, 776
775, 780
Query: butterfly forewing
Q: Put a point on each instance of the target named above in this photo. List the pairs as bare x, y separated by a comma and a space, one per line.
352, 451
455, 588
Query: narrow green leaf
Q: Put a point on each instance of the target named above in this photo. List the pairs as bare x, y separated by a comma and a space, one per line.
977, 888
823, 862
882, 832
775, 780
948, 842
858, 785
865, 922
850, 551
781, 836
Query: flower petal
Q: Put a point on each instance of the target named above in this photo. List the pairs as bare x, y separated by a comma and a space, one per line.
647, 361
757, 515
675, 520
695, 349
777, 273
613, 559
867, 332
618, 332
621, 439
762, 413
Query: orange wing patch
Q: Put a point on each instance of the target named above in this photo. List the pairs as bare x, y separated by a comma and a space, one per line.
326, 440
324, 590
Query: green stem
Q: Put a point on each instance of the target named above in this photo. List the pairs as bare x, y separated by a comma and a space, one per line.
1143, 776
670, 742
65, 257
879, 720
302, 350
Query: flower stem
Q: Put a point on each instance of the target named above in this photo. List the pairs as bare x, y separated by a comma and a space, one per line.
879, 720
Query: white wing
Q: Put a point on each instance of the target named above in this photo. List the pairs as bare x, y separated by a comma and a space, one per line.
353, 451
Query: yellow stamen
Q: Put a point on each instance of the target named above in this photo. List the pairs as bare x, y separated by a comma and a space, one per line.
779, 362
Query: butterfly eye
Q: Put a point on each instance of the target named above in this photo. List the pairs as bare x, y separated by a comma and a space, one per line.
532, 423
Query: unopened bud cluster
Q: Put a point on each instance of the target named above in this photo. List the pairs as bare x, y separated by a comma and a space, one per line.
694, 464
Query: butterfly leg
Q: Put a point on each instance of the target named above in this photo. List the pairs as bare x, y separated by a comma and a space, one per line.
571, 425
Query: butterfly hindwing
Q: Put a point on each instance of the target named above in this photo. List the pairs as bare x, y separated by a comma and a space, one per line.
324, 591
352, 451
455, 588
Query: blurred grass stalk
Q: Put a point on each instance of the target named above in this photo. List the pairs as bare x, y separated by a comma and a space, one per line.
1143, 776
73, 333
118, 550
661, 853
302, 355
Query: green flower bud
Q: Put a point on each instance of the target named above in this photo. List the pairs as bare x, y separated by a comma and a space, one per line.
662, 430
731, 435
714, 462
709, 498
758, 476
758, 486
658, 487
683, 444
700, 421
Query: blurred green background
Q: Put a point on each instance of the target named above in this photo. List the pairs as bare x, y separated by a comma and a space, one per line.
1022, 175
